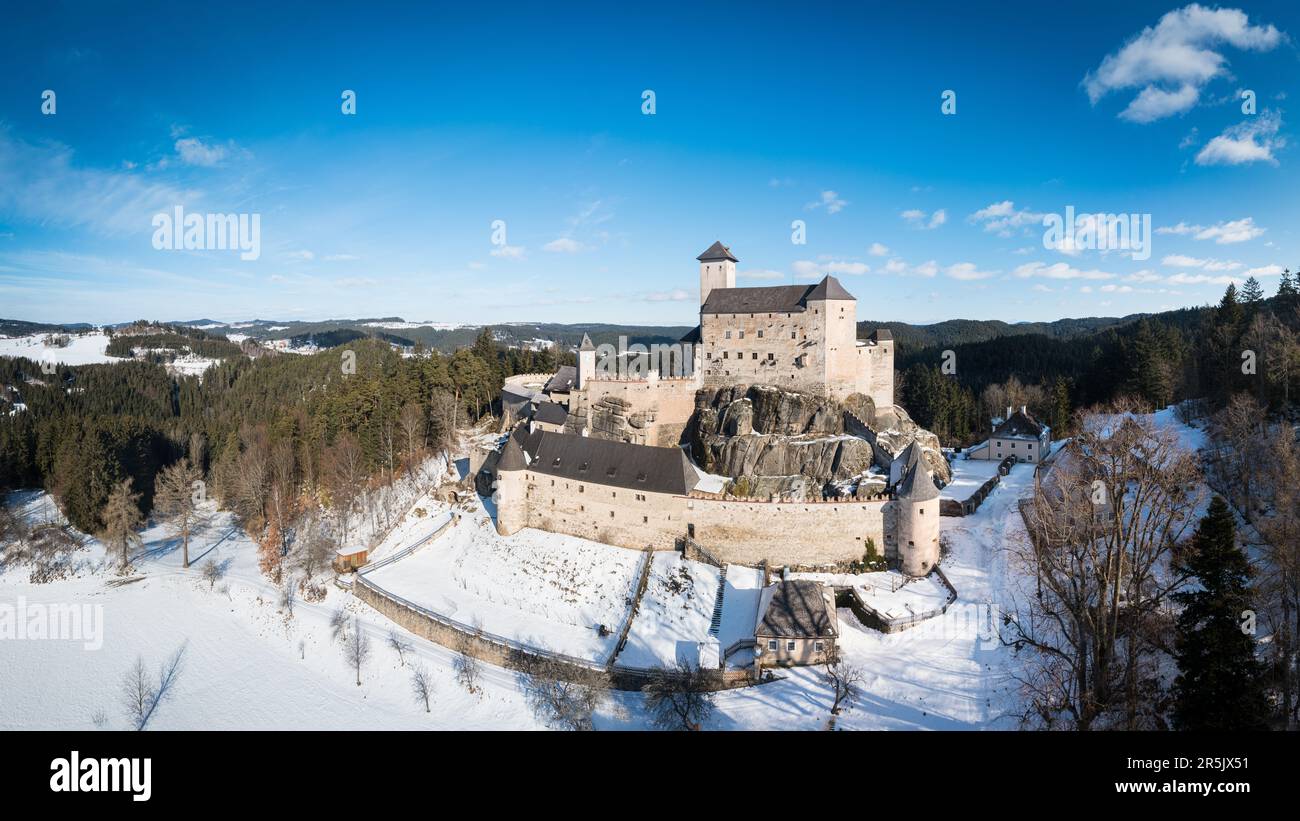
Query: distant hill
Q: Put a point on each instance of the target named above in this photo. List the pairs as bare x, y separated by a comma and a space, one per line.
968, 331
19, 327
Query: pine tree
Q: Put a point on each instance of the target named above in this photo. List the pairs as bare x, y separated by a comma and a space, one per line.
1060, 407
1230, 307
1251, 291
1220, 682
1287, 287
121, 518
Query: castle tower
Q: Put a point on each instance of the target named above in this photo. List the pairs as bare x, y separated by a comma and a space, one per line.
917, 521
717, 269
586, 362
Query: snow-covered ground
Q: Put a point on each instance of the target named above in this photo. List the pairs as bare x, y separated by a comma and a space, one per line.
968, 476
82, 349
541, 589
674, 614
889, 592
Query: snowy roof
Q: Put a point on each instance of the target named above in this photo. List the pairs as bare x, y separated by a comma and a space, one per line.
796, 609
716, 251
1020, 425
601, 462
351, 551
772, 299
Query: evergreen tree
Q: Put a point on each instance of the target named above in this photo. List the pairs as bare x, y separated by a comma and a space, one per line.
1287, 287
1220, 682
1230, 307
1061, 411
1251, 291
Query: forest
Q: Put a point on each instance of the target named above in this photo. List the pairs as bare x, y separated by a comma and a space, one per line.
1246, 343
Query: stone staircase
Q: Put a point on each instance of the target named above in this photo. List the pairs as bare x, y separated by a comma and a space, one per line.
715, 624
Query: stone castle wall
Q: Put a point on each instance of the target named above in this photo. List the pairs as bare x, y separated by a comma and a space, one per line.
740, 532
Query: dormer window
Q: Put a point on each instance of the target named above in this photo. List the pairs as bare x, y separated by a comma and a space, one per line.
582, 468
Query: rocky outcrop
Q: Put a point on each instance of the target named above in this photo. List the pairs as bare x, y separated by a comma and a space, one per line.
612, 418
760, 433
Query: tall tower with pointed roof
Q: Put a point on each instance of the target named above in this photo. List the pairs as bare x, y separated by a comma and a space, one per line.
586, 362
717, 269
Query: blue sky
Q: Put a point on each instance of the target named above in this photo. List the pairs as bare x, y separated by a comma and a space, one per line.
765, 114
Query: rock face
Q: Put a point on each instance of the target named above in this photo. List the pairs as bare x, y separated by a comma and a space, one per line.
612, 418
758, 434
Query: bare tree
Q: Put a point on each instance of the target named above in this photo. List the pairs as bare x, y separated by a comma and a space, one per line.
1280, 574
422, 685
121, 519
177, 496
412, 424
467, 671
845, 681
315, 548
399, 645
338, 624
1102, 524
443, 408
356, 648
288, 597
556, 699
347, 472
213, 572
137, 693
679, 698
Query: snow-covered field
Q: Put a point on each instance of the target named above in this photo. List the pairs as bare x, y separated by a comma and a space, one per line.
541, 589
889, 593
82, 349
249, 665
968, 475
674, 615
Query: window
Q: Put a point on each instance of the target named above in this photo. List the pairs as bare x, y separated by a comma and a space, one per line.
789, 645
793, 335
771, 645
754, 355
740, 354
580, 488
724, 355
760, 333
709, 355
819, 646
728, 334
645, 519
922, 511
771, 357
611, 514
742, 334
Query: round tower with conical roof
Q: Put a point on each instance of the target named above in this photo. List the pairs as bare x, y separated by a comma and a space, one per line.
916, 517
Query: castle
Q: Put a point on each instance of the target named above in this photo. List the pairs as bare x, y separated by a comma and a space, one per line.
611, 469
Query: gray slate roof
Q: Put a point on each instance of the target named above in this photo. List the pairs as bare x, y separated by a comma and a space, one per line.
795, 609
716, 251
586, 344
604, 462
918, 485
552, 413
1020, 425
563, 379
774, 299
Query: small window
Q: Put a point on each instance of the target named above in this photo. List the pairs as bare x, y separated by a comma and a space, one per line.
793, 335
742, 334
724, 355
819, 646
754, 355
789, 645
771, 357
611, 514
709, 355
760, 333
728, 334
771, 645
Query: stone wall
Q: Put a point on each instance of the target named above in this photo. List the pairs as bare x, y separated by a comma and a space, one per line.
643, 412
738, 532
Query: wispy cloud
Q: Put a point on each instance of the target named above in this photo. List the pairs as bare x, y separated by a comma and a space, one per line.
1004, 218
920, 219
1254, 140
1223, 233
829, 200
1173, 61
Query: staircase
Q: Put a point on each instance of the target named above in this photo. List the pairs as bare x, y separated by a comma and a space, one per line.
715, 624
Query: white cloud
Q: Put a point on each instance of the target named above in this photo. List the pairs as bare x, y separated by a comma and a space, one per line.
675, 295
878, 250
807, 269
760, 274
967, 271
509, 252
1004, 219
1171, 62
830, 200
926, 269
1183, 261
1224, 233
303, 254
1203, 279
1254, 140
1113, 288
895, 266
1264, 271
921, 219
1059, 270
564, 245
193, 151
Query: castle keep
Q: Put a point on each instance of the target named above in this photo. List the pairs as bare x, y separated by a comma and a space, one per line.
612, 469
